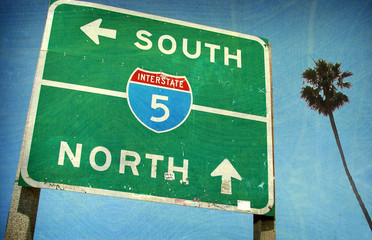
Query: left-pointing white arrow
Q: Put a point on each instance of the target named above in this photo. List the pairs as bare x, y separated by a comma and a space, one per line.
227, 171
92, 30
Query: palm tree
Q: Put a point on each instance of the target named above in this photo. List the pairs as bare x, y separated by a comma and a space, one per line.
321, 92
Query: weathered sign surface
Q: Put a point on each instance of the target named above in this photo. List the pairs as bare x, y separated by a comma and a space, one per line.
133, 105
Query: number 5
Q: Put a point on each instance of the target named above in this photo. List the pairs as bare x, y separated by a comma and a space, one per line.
156, 105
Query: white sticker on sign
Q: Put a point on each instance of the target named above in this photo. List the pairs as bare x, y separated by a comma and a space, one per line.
169, 176
244, 205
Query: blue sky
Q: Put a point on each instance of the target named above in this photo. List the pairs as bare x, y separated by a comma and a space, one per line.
314, 199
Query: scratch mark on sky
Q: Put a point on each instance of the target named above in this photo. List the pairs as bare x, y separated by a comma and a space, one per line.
311, 29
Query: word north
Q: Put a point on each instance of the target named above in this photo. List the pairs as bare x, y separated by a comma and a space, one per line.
128, 160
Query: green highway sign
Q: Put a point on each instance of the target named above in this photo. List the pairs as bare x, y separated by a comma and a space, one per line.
138, 106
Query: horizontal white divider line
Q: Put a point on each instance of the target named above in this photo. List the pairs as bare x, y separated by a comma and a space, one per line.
228, 113
84, 88
124, 95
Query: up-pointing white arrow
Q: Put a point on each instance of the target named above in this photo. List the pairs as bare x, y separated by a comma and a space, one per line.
92, 30
227, 171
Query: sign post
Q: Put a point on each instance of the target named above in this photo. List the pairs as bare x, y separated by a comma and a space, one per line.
22, 214
138, 106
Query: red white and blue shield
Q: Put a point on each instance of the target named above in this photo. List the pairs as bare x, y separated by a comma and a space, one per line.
161, 102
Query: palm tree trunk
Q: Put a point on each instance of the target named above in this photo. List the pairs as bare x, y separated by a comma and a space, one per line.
368, 218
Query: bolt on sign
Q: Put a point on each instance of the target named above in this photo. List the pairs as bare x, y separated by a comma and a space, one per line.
138, 106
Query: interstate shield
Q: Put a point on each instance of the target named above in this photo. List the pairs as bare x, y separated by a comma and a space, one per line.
161, 102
